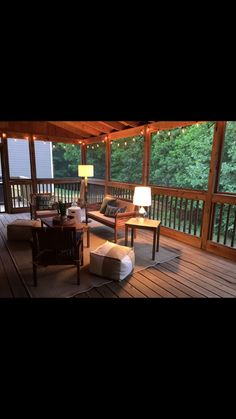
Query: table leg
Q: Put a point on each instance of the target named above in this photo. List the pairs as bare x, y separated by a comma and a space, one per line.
126, 235
158, 237
132, 237
88, 238
154, 244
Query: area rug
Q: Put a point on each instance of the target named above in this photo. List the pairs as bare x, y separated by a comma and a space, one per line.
60, 281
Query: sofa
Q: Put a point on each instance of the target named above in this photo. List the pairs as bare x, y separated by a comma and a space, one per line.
116, 222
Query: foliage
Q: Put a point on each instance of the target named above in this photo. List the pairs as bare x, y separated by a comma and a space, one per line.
66, 158
228, 166
96, 155
182, 158
127, 159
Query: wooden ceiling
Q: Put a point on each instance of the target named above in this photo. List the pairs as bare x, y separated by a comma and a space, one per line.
76, 130
81, 131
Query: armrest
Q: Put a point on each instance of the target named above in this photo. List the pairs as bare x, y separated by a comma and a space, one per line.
124, 215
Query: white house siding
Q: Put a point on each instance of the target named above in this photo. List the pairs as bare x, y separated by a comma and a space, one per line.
19, 160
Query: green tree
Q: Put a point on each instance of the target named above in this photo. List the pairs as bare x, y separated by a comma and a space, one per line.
127, 159
66, 158
181, 158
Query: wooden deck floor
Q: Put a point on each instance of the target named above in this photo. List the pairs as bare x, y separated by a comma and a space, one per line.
195, 274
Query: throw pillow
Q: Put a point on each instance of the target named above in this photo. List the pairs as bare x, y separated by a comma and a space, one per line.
44, 202
121, 209
111, 211
108, 199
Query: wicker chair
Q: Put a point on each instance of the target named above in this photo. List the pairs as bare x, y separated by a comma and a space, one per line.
57, 246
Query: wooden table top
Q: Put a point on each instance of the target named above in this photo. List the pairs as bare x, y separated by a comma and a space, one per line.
48, 221
143, 222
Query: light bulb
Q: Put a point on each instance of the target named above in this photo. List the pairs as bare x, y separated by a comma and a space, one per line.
4, 135
125, 143
169, 133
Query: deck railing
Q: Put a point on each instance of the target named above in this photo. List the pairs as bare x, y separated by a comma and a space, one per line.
224, 220
180, 211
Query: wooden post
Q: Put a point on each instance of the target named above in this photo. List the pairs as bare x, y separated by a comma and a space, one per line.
213, 179
146, 155
107, 165
32, 164
6, 177
83, 154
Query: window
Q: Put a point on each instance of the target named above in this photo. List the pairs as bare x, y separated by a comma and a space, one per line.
19, 158
66, 158
127, 159
43, 158
228, 165
95, 154
181, 157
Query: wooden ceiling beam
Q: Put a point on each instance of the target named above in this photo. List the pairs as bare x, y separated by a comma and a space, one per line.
85, 127
114, 125
100, 125
163, 125
41, 129
70, 127
130, 123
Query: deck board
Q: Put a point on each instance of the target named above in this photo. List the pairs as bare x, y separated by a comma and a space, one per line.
195, 274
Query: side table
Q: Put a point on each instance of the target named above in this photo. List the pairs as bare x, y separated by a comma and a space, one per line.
146, 224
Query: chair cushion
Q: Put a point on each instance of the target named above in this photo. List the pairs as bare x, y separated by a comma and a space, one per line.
44, 202
112, 261
108, 199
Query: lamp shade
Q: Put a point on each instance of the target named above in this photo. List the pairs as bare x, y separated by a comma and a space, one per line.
85, 170
142, 196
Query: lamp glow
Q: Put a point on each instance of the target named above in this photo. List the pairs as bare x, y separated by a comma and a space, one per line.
142, 198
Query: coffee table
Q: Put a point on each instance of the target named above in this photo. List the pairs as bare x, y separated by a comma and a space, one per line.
68, 223
146, 224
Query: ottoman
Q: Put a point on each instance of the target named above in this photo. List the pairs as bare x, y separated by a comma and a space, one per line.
112, 261
21, 229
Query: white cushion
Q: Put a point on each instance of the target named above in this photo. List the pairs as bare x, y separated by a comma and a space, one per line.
112, 261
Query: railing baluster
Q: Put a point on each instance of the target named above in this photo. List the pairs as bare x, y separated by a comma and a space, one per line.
219, 224
227, 223
185, 214
176, 202
180, 213
190, 217
171, 201
234, 229
196, 219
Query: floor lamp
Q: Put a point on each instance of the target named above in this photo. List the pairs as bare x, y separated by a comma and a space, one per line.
85, 171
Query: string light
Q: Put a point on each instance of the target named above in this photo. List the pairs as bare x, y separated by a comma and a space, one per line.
125, 142
80, 142
169, 133
183, 130
111, 142
141, 132
97, 145
118, 145
4, 135
26, 138
197, 124
15, 140
148, 129
44, 142
34, 138
133, 139
106, 137
102, 141
73, 145
87, 146
92, 147
54, 146
158, 132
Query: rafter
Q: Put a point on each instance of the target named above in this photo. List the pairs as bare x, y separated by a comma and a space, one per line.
114, 125
70, 127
